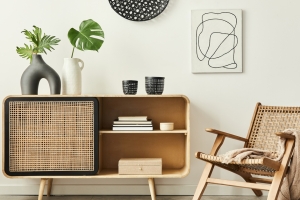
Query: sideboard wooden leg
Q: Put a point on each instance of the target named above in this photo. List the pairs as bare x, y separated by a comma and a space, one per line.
152, 188
50, 180
42, 187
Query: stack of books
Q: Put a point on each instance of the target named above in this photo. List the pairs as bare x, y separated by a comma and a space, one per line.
132, 123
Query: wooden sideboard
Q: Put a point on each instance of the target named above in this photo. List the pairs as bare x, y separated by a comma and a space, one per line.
172, 146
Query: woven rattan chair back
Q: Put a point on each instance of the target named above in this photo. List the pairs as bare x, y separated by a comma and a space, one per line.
269, 120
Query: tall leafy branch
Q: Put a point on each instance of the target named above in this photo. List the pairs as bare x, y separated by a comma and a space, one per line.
40, 43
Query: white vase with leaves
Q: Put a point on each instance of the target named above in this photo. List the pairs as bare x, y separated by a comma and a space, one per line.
89, 37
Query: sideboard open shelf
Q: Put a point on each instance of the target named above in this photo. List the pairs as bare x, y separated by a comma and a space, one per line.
172, 146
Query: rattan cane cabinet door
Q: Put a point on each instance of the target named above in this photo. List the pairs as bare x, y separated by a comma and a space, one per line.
51, 136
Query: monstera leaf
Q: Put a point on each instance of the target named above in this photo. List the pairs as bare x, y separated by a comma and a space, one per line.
89, 37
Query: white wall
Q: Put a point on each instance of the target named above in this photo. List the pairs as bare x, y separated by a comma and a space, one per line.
162, 47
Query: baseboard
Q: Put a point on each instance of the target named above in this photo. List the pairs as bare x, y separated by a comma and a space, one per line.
121, 190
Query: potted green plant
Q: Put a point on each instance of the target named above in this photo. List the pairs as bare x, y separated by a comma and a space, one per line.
38, 69
90, 36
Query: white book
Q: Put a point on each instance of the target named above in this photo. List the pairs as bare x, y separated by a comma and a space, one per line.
132, 118
133, 125
133, 122
132, 128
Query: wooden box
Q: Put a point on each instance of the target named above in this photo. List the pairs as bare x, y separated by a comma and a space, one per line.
140, 166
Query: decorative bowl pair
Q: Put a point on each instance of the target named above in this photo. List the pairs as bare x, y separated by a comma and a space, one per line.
154, 85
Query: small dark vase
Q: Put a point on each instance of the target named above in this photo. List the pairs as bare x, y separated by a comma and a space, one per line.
37, 70
154, 85
130, 86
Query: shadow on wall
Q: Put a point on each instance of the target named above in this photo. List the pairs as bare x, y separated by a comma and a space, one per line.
202, 141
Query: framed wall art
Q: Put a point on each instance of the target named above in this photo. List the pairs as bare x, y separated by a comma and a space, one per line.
216, 41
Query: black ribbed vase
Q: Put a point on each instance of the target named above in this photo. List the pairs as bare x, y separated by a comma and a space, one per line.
37, 70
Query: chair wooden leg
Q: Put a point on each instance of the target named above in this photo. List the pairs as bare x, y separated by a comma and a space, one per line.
152, 188
208, 168
279, 175
49, 186
275, 187
42, 187
202, 183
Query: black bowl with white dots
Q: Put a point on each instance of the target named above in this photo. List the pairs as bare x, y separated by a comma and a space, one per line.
139, 10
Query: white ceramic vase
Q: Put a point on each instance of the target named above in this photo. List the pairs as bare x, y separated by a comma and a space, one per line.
71, 76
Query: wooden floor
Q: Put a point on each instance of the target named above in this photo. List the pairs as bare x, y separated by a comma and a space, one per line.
131, 198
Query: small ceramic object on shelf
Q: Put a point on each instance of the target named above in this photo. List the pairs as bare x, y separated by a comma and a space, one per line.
154, 85
166, 126
130, 86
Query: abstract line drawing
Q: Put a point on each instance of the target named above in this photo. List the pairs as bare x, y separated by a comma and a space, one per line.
220, 38
216, 41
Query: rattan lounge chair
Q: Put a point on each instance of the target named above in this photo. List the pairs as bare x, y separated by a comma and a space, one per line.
267, 124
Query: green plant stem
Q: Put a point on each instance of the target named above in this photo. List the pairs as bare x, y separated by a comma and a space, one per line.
72, 52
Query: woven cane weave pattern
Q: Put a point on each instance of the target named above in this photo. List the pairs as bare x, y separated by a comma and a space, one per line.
217, 160
254, 165
270, 120
51, 136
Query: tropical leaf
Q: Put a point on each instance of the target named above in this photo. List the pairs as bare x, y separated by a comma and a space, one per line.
25, 52
38, 33
46, 43
89, 37
28, 35
40, 43
34, 36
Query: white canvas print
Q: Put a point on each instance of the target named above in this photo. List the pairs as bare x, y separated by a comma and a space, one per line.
217, 41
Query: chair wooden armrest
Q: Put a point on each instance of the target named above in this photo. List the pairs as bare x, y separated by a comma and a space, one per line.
285, 135
226, 134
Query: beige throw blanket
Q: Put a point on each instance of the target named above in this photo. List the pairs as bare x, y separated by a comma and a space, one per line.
238, 155
290, 187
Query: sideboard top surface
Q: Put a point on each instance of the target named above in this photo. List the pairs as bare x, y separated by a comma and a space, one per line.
102, 95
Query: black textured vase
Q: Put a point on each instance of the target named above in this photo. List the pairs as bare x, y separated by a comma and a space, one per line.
154, 85
37, 70
130, 86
